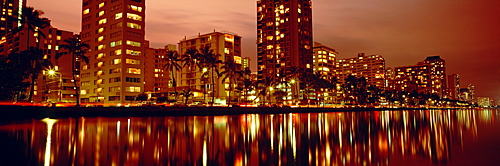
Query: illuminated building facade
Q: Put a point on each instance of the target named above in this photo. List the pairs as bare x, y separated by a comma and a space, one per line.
226, 44
155, 77
467, 94
114, 29
371, 67
245, 62
57, 86
324, 60
10, 9
454, 86
284, 37
428, 76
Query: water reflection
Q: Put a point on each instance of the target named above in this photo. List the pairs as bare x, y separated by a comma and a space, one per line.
349, 138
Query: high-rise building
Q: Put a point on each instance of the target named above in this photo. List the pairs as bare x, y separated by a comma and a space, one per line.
427, 76
114, 29
284, 36
226, 44
9, 11
454, 86
324, 60
155, 77
370, 67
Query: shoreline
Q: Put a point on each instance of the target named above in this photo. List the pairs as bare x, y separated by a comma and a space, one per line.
30, 112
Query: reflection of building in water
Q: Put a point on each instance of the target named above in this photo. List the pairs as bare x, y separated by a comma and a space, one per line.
349, 138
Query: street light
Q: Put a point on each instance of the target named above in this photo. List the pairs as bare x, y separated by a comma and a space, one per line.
53, 73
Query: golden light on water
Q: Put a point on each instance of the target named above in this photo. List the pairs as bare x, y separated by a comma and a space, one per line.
50, 123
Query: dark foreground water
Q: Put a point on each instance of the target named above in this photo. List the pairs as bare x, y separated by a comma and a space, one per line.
422, 137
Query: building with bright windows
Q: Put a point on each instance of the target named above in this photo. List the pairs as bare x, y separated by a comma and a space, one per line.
284, 39
156, 78
114, 29
370, 67
245, 62
324, 60
428, 76
324, 64
52, 87
10, 9
224, 43
454, 86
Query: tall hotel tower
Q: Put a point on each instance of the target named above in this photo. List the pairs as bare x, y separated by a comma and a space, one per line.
114, 29
284, 37
10, 9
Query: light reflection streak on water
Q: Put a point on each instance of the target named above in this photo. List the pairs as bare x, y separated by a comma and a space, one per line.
50, 123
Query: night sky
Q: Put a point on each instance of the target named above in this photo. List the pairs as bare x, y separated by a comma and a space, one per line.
466, 33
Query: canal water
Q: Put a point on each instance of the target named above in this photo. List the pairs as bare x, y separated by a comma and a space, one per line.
407, 137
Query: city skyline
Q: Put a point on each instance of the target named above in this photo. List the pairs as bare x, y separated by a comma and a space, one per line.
402, 32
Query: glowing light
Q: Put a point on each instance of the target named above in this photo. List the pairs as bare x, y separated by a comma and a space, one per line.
50, 123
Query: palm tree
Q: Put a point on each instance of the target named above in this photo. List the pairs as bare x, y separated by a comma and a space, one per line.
190, 59
231, 71
266, 87
211, 60
31, 20
294, 74
172, 64
186, 93
38, 62
76, 48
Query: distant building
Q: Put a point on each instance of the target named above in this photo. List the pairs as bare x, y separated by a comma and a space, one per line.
370, 67
467, 94
114, 29
324, 60
284, 39
425, 77
484, 102
155, 77
454, 86
245, 62
226, 44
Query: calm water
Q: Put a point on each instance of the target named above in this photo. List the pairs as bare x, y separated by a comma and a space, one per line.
425, 137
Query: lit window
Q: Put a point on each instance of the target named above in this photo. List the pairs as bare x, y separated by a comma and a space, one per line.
49, 46
115, 43
100, 55
118, 16
100, 38
133, 89
102, 21
101, 13
58, 38
133, 61
118, 52
116, 61
134, 70
133, 25
135, 8
269, 37
133, 52
100, 30
100, 47
133, 43
86, 11
99, 64
134, 17
101, 5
